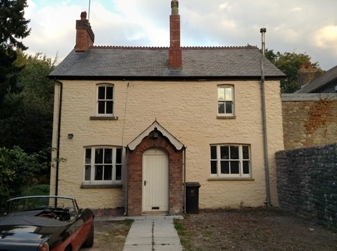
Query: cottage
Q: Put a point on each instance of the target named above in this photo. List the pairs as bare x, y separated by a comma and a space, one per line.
135, 124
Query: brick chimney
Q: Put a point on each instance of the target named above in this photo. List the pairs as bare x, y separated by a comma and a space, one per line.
175, 53
307, 73
85, 37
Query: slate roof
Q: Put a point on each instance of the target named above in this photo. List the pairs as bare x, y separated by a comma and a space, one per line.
152, 63
319, 82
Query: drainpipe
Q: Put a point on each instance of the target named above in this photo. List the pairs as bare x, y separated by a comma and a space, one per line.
126, 182
184, 179
264, 121
58, 138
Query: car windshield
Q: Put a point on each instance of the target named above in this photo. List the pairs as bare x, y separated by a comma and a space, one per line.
40, 202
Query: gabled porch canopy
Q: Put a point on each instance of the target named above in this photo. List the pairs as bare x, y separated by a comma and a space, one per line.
155, 126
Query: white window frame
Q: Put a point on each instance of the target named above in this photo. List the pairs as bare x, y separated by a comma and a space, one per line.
240, 161
91, 164
225, 98
105, 100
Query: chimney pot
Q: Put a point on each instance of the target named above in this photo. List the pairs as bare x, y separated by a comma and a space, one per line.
83, 15
309, 65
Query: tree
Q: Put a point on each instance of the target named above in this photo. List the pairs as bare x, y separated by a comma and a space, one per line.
27, 116
13, 28
18, 171
289, 64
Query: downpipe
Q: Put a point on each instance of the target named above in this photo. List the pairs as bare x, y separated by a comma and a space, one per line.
264, 122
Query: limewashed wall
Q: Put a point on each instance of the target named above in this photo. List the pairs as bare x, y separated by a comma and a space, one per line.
188, 110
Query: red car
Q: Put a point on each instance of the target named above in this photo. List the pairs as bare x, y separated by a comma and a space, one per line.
46, 223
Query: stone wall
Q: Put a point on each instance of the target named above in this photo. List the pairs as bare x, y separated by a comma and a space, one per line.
307, 182
309, 119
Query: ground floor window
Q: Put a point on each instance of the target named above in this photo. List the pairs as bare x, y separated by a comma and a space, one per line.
103, 165
230, 160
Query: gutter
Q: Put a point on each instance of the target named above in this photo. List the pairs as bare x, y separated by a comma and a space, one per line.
264, 122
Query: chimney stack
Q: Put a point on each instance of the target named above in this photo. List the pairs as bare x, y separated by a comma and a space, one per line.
175, 52
85, 37
307, 73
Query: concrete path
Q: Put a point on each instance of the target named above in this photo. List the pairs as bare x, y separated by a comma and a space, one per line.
153, 233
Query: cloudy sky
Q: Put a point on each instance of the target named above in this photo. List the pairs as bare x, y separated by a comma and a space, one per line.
298, 26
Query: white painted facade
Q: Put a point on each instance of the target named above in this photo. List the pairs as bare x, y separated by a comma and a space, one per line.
188, 110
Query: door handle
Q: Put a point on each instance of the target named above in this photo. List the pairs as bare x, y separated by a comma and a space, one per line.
144, 182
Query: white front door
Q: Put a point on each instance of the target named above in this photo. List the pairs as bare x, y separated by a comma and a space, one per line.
155, 181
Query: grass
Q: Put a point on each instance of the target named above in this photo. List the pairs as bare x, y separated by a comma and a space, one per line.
185, 239
128, 222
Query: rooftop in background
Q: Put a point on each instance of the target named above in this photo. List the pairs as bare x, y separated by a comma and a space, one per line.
320, 82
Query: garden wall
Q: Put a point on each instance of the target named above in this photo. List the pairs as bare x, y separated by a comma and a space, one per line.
307, 182
309, 119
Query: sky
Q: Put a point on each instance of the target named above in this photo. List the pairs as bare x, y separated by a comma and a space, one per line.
300, 26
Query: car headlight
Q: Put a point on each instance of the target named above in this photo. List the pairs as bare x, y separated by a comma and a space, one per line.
44, 247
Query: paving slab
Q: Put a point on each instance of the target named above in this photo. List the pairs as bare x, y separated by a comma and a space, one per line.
153, 233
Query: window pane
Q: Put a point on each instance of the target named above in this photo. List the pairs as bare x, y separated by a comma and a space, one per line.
235, 167
221, 107
119, 156
108, 92
245, 151
224, 151
101, 108
101, 92
234, 152
225, 167
98, 172
228, 93
213, 167
118, 172
87, 156
246, 167
213, 152
109, 107
87, 174
107, 156
221, 93
98, 156
229, 107
108, 172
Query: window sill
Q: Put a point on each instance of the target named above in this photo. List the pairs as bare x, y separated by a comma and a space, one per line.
92, 186
226, 117
230, 179
103, 118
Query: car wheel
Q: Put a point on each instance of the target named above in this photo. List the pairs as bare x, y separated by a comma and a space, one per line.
89, 242
68, 248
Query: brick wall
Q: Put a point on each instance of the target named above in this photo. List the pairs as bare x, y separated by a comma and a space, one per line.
309, 119
307, 182
135, 175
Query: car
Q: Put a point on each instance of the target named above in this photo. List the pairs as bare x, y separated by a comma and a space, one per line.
46, 223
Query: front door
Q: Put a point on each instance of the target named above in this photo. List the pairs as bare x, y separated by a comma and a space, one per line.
155, 181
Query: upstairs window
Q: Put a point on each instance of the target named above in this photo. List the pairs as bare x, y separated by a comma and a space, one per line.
230, 161
103, 165
226, 100
105, 100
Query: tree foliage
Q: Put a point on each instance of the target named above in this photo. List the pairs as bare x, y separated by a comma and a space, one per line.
13, 28
18, 171
289, 64
27, 115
